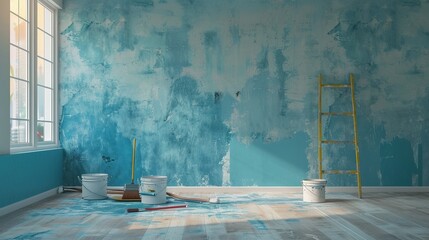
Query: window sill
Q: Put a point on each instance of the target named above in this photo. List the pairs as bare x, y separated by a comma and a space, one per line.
26, 149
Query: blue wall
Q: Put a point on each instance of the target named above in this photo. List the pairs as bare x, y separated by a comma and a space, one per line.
225, 92
27, 174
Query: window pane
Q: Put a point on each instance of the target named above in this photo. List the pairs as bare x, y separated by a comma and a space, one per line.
40, 16
48, 47
40, 44
23, 8
48, 21
44, 72
44, 132
44, 45
18, 63
19, 7
18, 31
19, 131
18, 99
14, 29
44, 104
14, 6
44, 18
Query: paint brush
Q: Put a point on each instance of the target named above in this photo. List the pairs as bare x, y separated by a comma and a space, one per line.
131, 191
155, 208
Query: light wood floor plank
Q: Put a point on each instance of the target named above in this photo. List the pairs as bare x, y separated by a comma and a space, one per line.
158, 228
215, 228
239, 216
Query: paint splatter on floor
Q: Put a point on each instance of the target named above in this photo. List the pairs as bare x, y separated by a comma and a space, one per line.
238, 216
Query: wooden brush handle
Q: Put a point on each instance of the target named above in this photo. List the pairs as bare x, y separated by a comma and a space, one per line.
166, 207
156, 208
133, 161
133, 210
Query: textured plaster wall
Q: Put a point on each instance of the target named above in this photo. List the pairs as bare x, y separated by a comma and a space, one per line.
225, 92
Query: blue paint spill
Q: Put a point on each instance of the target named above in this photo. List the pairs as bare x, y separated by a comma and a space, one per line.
292, 220
33, 235
259, 225
226, 209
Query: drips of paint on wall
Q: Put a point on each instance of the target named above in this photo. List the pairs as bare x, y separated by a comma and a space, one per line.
198, 82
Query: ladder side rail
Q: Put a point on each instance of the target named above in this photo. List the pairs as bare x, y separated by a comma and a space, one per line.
355, 136
319, 129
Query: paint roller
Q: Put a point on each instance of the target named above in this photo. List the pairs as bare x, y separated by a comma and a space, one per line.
194, 199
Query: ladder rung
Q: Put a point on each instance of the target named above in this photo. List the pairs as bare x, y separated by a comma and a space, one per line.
337, 142
336, 85
340, 171
338, 113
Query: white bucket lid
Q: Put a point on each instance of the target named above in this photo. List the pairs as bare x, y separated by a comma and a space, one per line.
94, 175
153, 178
314, 181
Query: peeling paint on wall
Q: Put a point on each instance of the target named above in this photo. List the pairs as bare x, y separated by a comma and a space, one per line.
196, 82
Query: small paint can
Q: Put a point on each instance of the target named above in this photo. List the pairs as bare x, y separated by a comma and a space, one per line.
313, 190
94, 186
153, 189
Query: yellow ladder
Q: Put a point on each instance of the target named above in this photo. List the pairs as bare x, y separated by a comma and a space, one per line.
322, 141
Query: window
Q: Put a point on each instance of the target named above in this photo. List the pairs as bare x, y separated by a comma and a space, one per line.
33, 82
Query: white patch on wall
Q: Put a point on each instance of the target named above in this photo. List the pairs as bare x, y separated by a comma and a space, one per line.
204, 180
312, 157
226, 168
177, 180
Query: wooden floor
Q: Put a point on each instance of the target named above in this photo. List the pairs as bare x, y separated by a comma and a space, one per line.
238, 216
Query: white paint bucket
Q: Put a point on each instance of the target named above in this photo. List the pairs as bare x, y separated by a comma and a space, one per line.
313, 190
94, 186
153, 189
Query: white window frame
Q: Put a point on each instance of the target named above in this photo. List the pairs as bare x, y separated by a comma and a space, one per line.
32, 76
